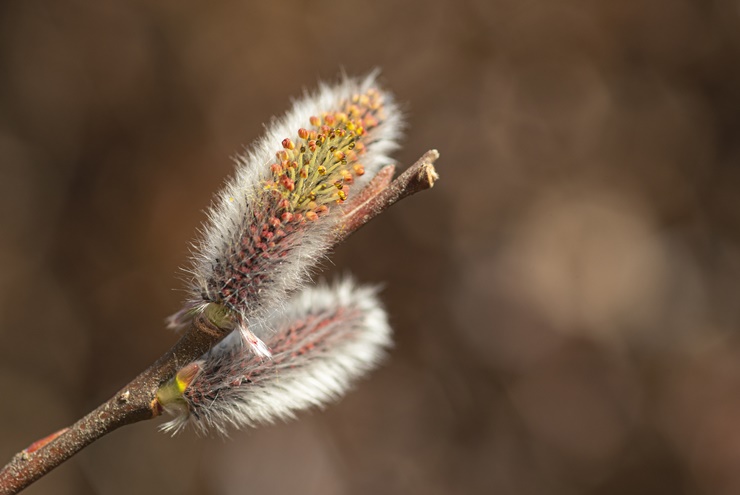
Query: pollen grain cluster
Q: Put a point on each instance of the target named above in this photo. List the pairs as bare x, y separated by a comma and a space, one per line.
316, 167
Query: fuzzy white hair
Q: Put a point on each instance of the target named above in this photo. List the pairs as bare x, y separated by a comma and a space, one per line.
240, 201
325, 338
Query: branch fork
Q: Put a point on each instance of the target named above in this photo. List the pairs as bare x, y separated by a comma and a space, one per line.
137, 401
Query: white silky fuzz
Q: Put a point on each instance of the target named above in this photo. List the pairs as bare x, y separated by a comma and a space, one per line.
324, 339
274, 220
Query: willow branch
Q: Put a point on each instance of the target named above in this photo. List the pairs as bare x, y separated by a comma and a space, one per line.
136, 401
133, 403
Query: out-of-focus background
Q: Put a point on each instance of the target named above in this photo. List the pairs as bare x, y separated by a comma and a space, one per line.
566, 301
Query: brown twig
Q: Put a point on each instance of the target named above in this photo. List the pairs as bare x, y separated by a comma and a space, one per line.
136, 401
381, 193
133, 403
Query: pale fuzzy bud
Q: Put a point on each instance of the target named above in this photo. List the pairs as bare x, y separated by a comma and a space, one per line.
274, 221
326, 338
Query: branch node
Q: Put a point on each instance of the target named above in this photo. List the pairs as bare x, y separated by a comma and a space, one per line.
203, 323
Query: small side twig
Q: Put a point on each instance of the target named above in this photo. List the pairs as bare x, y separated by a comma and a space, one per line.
381, 193
136, 401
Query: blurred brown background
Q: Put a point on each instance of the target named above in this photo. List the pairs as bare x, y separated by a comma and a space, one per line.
565, 300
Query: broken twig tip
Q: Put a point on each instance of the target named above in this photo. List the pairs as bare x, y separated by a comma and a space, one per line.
428, 173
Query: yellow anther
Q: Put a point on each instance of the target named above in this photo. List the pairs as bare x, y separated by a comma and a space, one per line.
181, 384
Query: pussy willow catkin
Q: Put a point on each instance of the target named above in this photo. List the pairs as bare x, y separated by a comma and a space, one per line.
273, 222
268, 228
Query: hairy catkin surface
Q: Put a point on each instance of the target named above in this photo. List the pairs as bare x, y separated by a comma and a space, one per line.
273, 221
324, 339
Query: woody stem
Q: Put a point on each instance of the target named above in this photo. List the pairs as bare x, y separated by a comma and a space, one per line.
136, 401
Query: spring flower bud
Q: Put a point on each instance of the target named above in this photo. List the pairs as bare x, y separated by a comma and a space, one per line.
324, 339
274, 220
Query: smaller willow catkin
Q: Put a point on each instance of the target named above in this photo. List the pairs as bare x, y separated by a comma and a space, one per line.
326, 337
274, 221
